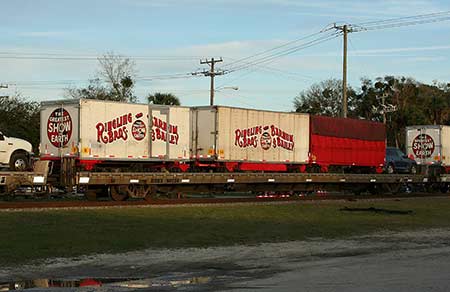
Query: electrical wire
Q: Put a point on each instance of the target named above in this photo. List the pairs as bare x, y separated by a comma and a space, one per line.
401, 22
267, 59
436, 14
273, 49
83, 57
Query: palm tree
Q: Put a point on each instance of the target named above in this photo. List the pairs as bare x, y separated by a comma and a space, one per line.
163, 98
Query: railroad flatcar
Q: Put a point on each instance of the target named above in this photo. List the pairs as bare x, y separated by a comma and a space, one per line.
104, 134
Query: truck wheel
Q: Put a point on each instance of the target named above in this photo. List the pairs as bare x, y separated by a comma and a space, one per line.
390, 168
413, 169
18, 162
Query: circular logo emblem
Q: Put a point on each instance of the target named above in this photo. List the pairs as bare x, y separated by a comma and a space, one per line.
59, 127
423, 146
138, 130
266, 141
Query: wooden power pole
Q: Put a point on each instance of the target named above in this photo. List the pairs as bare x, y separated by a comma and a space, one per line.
212, 73
344, 76
345, 29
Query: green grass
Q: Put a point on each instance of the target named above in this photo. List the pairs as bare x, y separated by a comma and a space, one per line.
31, 235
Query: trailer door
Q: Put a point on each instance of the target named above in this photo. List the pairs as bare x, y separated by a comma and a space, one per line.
424, 144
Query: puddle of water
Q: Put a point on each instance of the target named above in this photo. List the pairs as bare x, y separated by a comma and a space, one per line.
119, 283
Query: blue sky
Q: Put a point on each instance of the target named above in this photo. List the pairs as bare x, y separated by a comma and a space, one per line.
172, 36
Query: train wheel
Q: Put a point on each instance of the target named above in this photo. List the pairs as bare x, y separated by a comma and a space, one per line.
392, 188
150, 195
390, 168
375, 190
91, 195
119, 193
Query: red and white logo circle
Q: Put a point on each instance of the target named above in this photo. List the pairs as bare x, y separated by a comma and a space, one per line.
59, 127
138, 130
423, 146
266, 140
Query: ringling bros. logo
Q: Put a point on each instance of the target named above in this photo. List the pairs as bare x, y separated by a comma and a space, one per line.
59, 127
117, 129
267, 137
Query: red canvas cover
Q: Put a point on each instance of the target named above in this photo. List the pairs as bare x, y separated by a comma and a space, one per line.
348, 128
338, 141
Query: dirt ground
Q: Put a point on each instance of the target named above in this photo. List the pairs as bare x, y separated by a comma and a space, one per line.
405, 261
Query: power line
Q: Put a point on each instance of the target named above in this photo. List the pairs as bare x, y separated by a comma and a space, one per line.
274, 48
406, 18
269, 58
71, 81
82, 57
375, 25
292, 75
402, 21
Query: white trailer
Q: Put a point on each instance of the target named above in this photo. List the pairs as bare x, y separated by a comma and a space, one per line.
429, 144
247, 135
106, 130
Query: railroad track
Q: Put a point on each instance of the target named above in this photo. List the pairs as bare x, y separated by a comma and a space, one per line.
83, 204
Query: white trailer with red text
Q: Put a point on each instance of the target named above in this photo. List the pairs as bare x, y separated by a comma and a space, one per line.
429, 146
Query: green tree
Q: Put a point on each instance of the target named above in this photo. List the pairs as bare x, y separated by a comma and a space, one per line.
435, 101
415, 103
20, 119
324, 98
163, 98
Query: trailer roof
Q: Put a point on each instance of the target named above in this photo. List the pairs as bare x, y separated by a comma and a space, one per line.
79, 100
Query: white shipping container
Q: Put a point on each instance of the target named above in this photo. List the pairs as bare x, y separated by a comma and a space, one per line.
429, 144
93, 129
236, 134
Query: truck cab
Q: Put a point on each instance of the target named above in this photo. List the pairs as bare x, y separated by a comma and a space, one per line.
16, 154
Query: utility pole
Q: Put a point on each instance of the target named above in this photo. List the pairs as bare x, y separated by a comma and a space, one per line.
212, 73
383, 104
345, 29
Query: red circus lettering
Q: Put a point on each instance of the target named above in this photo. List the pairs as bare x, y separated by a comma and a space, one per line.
114, 129
163, 132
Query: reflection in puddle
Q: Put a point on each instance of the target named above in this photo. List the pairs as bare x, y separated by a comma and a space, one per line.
113, 283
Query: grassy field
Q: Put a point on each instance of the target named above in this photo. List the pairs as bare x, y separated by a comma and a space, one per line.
32, 235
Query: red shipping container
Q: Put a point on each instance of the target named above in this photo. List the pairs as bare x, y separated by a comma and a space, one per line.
347, 142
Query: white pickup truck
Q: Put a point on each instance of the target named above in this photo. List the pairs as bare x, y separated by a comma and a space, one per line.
15, 153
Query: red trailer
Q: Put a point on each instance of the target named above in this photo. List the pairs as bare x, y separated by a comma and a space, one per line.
339, 142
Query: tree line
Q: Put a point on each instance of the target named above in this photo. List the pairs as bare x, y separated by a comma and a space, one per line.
401, 101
